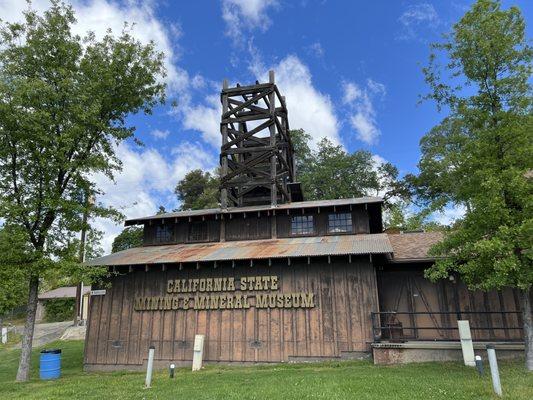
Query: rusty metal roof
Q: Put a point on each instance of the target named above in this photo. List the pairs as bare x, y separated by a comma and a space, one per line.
286, 206
250, 249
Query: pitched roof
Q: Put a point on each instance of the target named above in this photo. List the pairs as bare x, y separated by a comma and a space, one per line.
286, 206
63, 293
250, 249
413, 246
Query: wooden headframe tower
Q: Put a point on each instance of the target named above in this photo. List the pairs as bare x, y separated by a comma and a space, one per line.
256, 157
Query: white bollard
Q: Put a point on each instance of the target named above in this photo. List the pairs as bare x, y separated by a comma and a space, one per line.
466, 343
198, 354
4, 335
493, 362
149, 367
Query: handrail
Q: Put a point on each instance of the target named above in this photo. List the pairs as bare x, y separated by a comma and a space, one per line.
397, 328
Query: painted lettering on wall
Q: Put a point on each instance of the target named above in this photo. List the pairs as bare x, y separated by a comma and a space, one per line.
204, 294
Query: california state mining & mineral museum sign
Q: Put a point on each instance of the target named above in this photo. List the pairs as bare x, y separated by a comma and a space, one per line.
204, 294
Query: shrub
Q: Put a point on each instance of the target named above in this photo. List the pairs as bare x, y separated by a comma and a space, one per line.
59, 309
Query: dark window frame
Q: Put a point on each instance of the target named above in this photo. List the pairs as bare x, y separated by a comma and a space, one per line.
163, 234
340, 223
202, 235
302, 225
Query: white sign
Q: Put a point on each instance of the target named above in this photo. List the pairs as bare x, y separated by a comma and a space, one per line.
99, 292
4, 335
198, 353
466, 343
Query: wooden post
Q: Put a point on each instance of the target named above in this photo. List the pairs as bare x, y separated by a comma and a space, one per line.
273, 225
272, 103
224, 160
222, 228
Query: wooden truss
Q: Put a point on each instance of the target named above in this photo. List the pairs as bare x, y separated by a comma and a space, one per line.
256, 156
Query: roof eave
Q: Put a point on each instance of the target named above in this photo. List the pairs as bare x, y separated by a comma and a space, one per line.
392, 260
236, 210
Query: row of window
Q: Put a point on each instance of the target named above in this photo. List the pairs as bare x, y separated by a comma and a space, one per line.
197, 233
337, 223
301, 225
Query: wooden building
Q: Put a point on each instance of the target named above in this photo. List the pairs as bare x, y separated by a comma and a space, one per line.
271, 278
319, 270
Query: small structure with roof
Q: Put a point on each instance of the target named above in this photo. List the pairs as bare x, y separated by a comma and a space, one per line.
65, 292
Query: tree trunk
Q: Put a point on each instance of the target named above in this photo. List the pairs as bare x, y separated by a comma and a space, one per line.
23, 373
1, 326
528, 327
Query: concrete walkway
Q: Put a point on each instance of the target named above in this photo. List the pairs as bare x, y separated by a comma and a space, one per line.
46, 333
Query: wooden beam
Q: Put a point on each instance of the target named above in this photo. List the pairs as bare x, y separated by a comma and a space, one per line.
224, 159
272, 128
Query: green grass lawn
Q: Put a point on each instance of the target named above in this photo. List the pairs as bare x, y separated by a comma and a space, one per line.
332, 380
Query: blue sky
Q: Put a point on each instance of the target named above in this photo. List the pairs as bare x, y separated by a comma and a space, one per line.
351, 71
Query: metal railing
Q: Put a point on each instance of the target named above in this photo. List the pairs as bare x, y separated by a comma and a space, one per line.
390, 325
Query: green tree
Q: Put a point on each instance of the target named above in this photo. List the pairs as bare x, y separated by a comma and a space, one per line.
399, 217
64, 103
480, 156
198, 190
329, 172
132, 236
14, 254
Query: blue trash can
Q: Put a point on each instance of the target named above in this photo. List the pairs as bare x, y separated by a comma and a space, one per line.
50, 364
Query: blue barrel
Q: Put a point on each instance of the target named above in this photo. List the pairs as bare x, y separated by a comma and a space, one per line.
50, 364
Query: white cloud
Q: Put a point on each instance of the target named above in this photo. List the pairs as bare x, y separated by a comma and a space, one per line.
359, 100
198, 82
378, 161
309, 109
376, 87
351, 91
99, 15
242, 16
160, 134
204, 118
417, 16
316, 49
449, 215
146, 181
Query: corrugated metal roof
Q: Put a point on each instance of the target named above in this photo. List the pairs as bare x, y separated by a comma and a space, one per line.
286, 206
250, 249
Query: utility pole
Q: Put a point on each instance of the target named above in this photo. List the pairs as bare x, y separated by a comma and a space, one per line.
88, 201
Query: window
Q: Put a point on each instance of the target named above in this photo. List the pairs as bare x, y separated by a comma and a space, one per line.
340, 223
163, 234
302, 225
198, 232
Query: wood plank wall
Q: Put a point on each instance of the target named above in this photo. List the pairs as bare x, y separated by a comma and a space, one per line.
257, 226
248, 228
404, 289
345, 294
